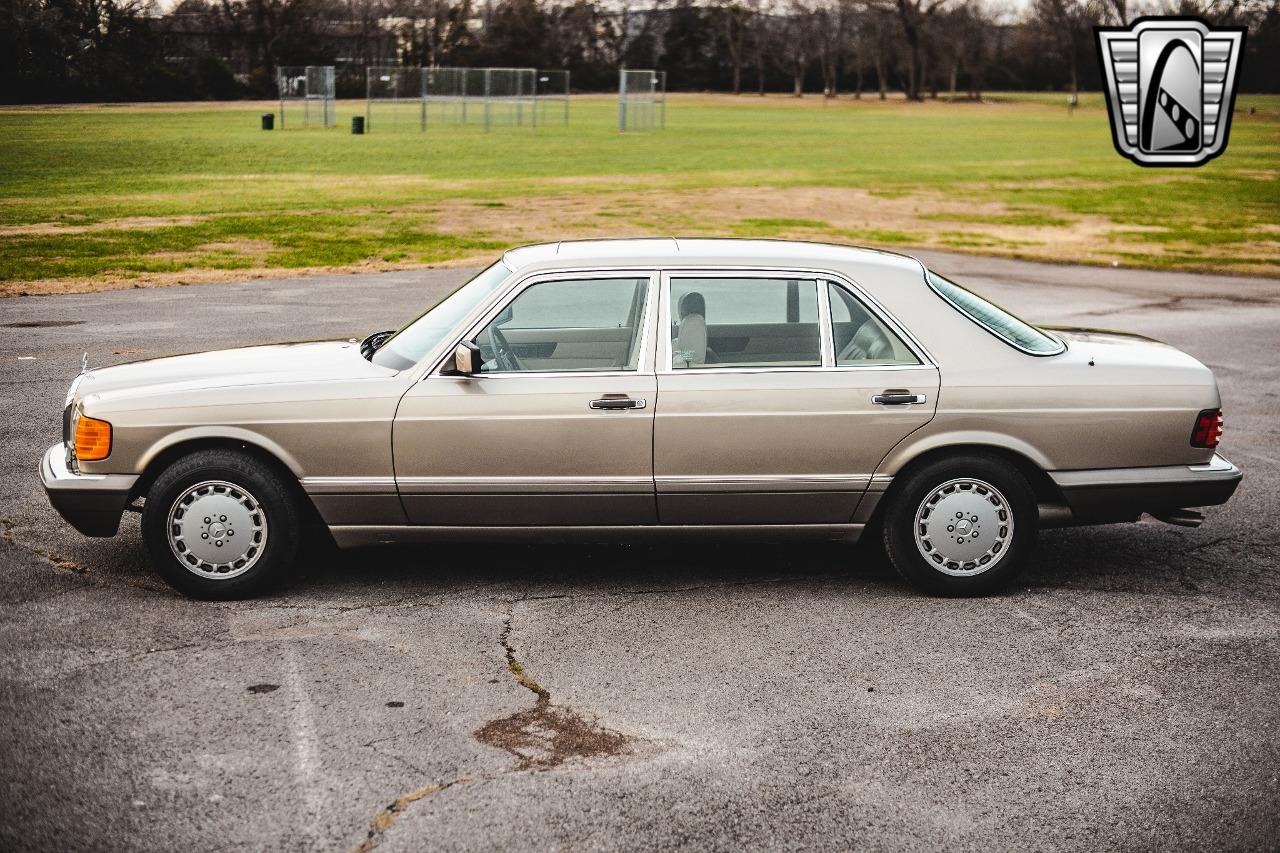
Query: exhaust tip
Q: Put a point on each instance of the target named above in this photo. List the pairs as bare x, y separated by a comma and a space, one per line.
1181, 517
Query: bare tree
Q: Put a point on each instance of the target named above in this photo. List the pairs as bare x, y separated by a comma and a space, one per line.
735, 30
796, 43
914, 17
1059, 23
878, 33
829, 26
760, 38
965, 27
433, 32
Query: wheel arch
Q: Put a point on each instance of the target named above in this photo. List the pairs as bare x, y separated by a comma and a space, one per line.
1028, 462
177, 445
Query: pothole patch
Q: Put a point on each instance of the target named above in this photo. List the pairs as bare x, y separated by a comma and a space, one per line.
42, 324
547, 735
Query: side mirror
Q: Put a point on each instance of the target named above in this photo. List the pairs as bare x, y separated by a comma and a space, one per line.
505, 315
466, 359
374, 342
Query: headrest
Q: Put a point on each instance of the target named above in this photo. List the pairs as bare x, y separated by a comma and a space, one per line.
692, 303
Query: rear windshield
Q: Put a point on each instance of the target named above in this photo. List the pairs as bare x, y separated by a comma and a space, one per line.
995, 319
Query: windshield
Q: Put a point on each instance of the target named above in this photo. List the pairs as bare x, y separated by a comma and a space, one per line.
995, 319
415, 340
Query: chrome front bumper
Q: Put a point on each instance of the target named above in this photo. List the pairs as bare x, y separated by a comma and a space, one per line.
1123, 494
92, 503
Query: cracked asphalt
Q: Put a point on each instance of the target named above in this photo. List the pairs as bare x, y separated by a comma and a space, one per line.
1121, 696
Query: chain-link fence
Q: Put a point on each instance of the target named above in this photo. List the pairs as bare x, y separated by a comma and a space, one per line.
552, 91
307, 95
642, 100
401, 98
488, 96
394, 99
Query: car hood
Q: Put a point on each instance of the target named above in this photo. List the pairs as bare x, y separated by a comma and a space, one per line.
262, 365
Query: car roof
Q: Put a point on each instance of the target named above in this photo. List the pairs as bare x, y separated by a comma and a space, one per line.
673, 251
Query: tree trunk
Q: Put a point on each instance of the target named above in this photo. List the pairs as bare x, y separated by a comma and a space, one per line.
912, 34
955, 70
798, 79
880, 75
857, 90
737, 78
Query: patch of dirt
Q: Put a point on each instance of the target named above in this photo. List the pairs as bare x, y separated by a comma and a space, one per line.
612, 206
110, 281
546, 736
132, 223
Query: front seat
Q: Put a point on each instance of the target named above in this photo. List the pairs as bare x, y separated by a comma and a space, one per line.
691, 340
867, 344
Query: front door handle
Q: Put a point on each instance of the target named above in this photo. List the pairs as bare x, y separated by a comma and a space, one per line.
612, 403
897, 398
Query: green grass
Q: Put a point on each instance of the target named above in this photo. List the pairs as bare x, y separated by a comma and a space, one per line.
167, 190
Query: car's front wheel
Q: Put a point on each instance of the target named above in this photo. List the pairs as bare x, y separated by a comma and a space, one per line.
961, 526
220, 524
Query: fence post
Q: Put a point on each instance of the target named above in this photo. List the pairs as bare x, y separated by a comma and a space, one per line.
662, 108
622, 100
487, 110
566, 98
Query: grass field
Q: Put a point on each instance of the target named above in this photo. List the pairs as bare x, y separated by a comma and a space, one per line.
111, 196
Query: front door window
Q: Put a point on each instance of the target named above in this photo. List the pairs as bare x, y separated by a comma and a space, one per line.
577, 325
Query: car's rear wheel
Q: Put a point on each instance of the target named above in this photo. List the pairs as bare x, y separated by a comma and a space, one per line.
221, 524
961, 526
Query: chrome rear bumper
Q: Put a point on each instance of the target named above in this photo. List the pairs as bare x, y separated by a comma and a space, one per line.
92, 503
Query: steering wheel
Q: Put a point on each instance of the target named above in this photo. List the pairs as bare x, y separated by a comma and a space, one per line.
503, 354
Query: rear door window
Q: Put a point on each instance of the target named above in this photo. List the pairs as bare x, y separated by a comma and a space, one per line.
744, 322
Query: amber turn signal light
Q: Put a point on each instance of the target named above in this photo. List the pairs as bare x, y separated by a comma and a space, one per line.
93, 439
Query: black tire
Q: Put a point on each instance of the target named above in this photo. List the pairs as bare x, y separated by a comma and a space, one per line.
906, 498
275, 500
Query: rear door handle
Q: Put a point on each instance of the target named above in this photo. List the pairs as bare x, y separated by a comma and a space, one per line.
897, 398
611, 403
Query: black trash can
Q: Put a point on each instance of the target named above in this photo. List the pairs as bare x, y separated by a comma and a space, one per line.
268, 121
357, 125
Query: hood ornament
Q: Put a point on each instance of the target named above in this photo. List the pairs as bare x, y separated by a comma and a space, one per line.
84, 363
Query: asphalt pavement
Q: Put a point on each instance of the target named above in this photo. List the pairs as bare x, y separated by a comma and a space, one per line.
1121, 696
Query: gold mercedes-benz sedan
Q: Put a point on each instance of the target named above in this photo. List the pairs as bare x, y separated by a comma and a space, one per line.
620, 389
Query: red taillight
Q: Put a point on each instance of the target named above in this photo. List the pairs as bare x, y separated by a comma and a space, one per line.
1208, 428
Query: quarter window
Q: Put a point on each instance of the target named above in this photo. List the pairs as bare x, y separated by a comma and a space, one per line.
859, 337
569, 325
744, 322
